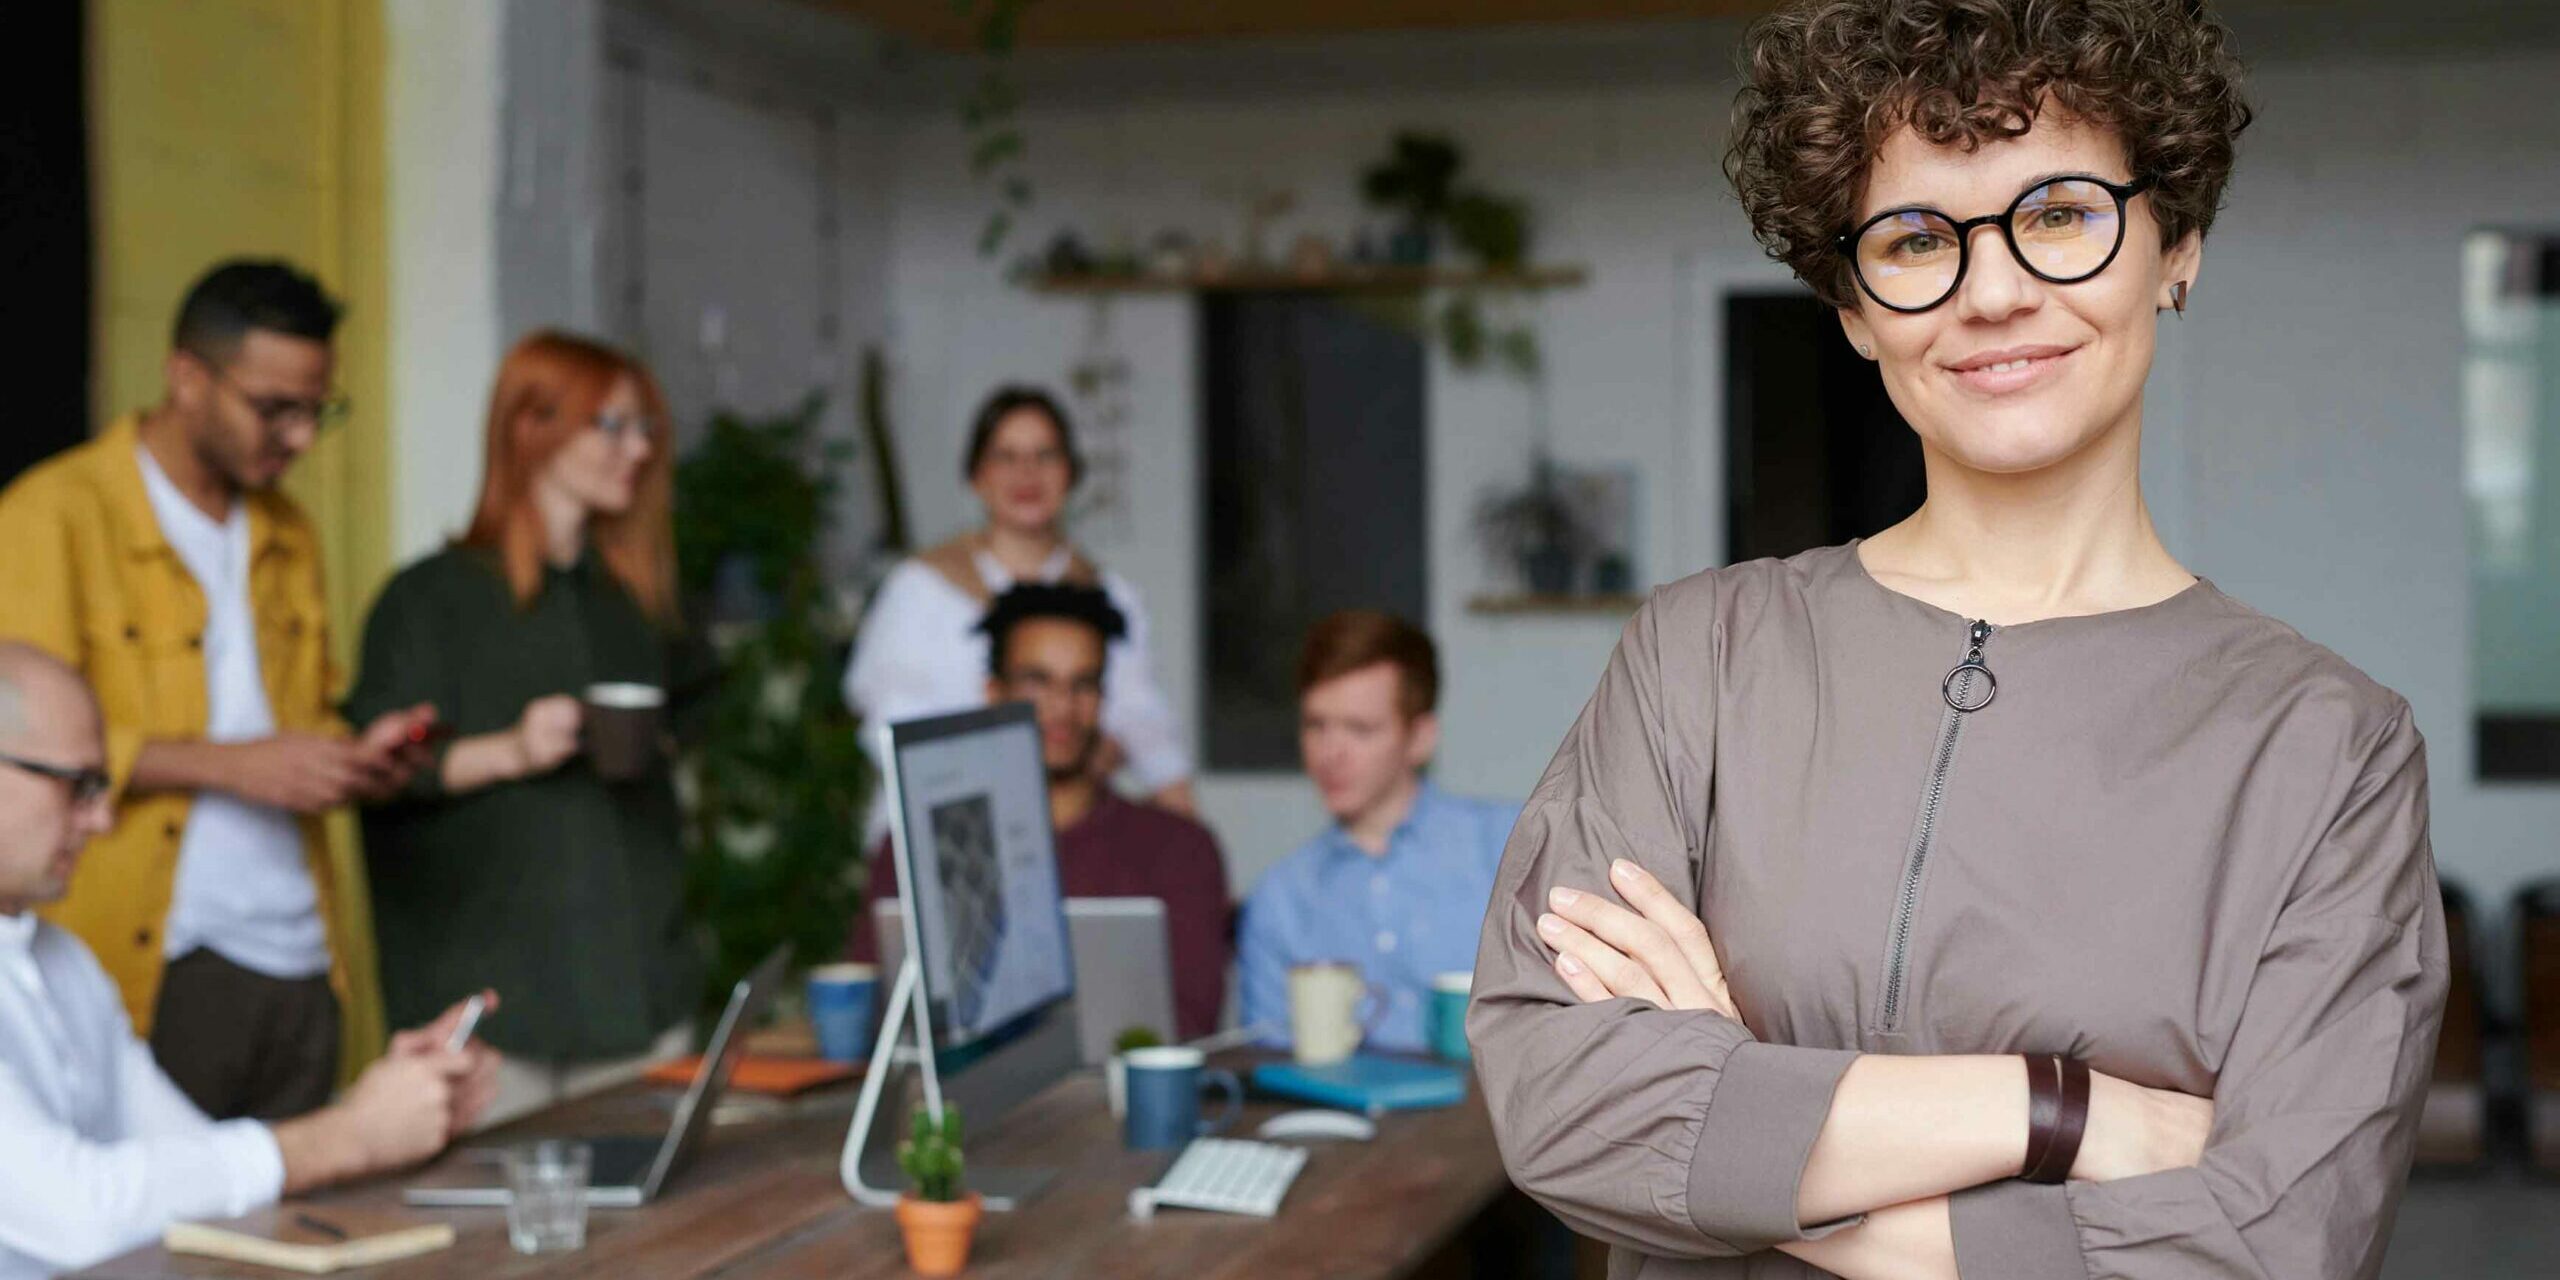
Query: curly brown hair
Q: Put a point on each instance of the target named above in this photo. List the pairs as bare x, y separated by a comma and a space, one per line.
1830, 80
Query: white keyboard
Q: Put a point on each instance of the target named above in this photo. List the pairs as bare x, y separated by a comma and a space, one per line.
1226, 1175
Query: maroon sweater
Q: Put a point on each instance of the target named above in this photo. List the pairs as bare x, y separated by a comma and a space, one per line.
1124, 850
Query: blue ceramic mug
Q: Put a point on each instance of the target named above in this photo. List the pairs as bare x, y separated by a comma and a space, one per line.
1164, 1097
841, 1001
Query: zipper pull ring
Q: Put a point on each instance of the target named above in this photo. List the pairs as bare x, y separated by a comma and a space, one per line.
1964, 693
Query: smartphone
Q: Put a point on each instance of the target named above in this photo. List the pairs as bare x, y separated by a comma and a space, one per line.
471, 1011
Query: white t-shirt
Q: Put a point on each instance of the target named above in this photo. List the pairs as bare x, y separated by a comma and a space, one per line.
243, 889
920, 654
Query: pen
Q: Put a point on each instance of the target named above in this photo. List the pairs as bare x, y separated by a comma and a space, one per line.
321, 1225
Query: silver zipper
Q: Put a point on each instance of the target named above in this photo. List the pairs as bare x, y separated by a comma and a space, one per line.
1968, 687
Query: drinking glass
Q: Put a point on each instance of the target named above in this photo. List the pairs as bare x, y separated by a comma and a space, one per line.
547, 1196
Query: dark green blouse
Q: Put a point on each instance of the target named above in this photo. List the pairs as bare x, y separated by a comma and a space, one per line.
563, 892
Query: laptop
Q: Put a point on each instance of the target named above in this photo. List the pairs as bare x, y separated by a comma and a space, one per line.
629, 1170
1123, 966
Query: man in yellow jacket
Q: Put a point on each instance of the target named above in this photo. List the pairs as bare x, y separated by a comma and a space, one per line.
161, 561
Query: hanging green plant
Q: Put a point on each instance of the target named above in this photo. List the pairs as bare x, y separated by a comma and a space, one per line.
989, 119
1462, 330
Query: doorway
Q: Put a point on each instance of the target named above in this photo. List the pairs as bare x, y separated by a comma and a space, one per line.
1815, 452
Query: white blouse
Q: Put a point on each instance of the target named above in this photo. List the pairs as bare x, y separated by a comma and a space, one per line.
920, 654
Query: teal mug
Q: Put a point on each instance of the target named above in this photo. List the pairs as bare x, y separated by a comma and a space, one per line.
1448, 1022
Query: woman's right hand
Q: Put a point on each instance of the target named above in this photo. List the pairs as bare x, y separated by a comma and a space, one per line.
2133, 1130
546, 735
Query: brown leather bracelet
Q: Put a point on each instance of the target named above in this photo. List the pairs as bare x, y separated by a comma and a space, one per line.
2044, 1108
2070, 1127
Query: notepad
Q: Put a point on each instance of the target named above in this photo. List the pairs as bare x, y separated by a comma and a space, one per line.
314, 1241
778, 1077
1365, 1083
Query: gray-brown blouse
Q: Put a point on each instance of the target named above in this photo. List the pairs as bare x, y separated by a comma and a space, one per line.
2181, 842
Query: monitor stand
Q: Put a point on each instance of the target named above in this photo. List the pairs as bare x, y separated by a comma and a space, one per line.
985, 1090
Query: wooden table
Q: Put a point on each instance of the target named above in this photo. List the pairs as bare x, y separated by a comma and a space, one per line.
764, 1201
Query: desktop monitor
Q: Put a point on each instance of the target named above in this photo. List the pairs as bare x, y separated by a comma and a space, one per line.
986, 932
977, 860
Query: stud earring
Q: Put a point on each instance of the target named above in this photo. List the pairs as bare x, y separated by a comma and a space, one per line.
2178, 297
1866, 352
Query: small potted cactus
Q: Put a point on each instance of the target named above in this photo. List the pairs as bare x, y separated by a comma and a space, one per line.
937, 1215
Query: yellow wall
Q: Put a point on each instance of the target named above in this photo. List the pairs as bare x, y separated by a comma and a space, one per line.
228, 127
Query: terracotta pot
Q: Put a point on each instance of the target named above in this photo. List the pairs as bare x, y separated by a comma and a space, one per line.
938, 1232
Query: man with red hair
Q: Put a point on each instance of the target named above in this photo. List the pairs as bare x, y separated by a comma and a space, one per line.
1396, 887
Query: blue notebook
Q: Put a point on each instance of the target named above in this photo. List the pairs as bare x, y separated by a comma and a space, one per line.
1366, 1084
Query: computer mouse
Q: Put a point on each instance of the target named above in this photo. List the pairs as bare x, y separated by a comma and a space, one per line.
1317, 1124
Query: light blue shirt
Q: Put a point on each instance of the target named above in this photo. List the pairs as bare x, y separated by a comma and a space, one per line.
1402, 917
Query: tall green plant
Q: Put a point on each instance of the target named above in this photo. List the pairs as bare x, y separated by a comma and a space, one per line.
930, 1154
776, 786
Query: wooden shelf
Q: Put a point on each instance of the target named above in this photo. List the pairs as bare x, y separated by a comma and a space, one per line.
1347, 279
1617, 606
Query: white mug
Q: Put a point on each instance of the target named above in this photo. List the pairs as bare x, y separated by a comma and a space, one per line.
1326, 1024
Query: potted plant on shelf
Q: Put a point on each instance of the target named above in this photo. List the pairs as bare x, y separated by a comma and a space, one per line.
1414, 181
1536, 530
1418, 183
937, 1217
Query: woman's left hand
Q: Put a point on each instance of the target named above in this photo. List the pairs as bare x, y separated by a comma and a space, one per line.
1657, 952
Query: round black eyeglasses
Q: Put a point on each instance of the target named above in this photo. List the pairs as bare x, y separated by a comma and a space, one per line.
2062, 230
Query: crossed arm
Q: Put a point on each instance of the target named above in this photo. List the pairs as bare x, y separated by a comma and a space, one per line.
1629, 1098
1903, 1133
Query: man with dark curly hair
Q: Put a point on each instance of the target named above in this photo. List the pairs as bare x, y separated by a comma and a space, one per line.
1991, 897
1049, 644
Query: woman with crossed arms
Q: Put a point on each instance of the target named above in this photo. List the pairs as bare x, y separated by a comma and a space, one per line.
1991, 897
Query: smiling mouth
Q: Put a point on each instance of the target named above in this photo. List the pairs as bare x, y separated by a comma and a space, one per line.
2011, 371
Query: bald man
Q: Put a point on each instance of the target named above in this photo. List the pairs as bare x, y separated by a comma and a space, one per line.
98, 1150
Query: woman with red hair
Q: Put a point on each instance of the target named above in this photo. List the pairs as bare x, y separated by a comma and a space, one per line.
513, 863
